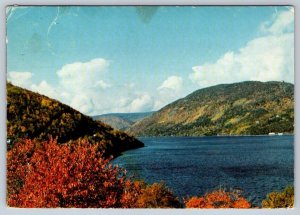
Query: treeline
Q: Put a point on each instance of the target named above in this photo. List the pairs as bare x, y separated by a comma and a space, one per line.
48, 174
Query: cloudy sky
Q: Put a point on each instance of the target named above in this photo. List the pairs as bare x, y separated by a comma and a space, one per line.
132, 59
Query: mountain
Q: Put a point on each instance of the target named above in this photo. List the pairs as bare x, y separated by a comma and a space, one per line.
246, 108
121, 121
115, 122
31, 115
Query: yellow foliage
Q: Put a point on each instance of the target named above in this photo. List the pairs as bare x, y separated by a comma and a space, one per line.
45, 102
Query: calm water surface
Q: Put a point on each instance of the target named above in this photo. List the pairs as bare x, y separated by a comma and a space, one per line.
194, 165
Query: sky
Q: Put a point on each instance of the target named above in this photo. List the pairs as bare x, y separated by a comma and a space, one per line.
116, 59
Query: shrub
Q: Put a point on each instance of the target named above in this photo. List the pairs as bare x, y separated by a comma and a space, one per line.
157, 195
218, 199
284, 199
64, 176
141, 195
132, 192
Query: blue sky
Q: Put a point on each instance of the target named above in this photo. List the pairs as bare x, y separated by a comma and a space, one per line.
132, 59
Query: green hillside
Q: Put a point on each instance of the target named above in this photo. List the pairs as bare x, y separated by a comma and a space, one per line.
31, 115
246, 108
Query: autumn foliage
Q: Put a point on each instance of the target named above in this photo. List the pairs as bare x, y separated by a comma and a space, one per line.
284, 199
46, 174
218, 199
140, 195
157, 195
18, 159
62, 176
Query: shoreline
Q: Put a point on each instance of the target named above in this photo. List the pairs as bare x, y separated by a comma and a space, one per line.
246, 135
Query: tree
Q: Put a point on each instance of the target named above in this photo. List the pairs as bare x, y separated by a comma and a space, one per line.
132, 191
157, 195
284, 199
140, 195
218, 199
74, 175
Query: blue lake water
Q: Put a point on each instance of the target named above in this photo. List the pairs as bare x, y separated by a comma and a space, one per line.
194, 165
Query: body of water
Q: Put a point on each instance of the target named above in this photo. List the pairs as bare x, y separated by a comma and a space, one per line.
194, 165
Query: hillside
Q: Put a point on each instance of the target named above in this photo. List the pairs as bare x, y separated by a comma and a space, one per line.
122, 121
31, 115
115, 122
246, 108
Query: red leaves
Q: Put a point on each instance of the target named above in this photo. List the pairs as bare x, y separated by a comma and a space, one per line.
218, 199
63, 176
18, 159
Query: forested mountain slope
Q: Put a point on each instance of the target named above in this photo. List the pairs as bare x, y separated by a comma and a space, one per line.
246, 108
31, 115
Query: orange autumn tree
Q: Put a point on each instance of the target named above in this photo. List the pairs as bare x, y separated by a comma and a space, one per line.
157, 195
132, 191
138, 194
74, 175
218, 199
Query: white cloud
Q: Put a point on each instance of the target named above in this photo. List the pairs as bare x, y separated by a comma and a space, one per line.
80, 84
45, 89
102, 84
22, 79
141, 103
123, 102
78, 75
172, 82
270, 57
135, 102
82, 102
168, 91
283, 22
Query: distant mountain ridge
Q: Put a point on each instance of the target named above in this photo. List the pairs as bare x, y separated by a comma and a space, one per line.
34, 116
122, 121
246, 108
